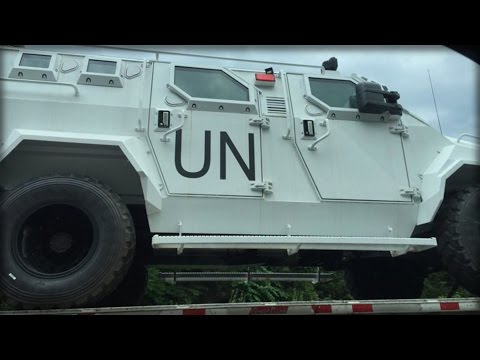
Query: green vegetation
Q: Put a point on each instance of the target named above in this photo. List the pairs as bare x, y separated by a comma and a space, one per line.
5, 307
437, 285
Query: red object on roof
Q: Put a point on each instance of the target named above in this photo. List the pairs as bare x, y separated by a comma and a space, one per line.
265, 77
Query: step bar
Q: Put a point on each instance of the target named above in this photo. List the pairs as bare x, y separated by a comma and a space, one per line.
174, 277
292, 244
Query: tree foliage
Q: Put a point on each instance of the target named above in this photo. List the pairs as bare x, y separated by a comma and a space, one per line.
5, 307
159, 292
437, 285
334, 289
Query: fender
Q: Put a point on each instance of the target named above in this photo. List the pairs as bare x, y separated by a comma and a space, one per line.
132, 147
450, 159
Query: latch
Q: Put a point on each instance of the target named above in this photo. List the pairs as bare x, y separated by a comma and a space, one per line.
266, 186
413, 192
308, 128
264, 123
163, 120
400, 129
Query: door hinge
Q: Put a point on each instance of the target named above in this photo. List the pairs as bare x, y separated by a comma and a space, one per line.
413, 192
400, 129
265, 186
264, 123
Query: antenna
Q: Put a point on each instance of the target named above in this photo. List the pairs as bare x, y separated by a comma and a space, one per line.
435, 102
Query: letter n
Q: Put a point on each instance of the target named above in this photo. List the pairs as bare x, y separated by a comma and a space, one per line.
248, 170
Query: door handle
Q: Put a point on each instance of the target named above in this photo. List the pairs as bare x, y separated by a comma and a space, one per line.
182, 116
313, 145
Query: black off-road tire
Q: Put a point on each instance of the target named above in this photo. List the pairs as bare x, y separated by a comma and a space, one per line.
458, 236
384, 278
65, 241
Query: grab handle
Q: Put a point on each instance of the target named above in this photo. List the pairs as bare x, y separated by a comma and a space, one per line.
313, 145
183, 116
467, 135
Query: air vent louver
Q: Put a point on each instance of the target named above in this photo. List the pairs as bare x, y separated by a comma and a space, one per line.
276, 106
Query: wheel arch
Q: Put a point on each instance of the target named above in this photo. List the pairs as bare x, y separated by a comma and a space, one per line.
454, 167
121, 162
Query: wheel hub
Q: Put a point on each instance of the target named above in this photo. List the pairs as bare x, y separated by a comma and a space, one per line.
60, 243
55, 240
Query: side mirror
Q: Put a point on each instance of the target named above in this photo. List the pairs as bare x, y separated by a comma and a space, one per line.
372, 99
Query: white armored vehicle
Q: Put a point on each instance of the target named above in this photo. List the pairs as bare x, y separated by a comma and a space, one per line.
110, 164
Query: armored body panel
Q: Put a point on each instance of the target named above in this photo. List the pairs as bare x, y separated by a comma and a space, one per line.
290, 161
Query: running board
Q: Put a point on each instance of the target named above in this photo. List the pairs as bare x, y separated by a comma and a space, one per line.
292, 244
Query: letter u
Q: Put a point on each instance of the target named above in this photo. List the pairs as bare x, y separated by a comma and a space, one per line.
178, 156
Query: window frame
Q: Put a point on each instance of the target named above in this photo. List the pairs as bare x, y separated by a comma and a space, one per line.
33, 72
97, 58
319, 103
101, 79
213, 104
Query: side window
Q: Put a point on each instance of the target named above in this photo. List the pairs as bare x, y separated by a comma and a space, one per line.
34, 66
209, 84
335, 93
101, 67
100, 72
35, 60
